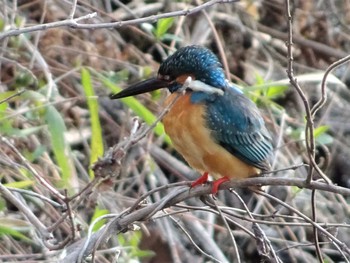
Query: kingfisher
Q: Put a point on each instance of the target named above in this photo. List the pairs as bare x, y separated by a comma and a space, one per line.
213, 125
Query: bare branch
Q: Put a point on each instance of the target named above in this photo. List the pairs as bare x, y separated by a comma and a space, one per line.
6, 193
323, 98
32, 170
309, 131
123, 221
74, 22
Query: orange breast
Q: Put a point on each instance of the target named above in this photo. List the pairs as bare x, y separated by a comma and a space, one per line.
185, 125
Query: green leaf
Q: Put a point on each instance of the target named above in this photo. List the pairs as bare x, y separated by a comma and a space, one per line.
139, 110
321, 135
172, 37
135, 239
20, 185
2, 25
23, 79
19, 20
276, 91
3, 204
60, 148
7, 94
324, 139
25, 173
269, 89
3, 108
24, 133
117, 76
143, 253
121, 240
131, 242
98, 213
320, 130
163, 25
39, 151
259, 80
96, 136
5, 123
14, 233
56, 129
295, 190
134, 242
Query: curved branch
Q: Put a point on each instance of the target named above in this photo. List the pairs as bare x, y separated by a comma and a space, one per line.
124, 221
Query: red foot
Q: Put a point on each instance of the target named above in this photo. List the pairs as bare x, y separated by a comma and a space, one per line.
201, 180
217, 183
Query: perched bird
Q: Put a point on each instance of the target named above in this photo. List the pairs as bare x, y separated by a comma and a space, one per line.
216, 128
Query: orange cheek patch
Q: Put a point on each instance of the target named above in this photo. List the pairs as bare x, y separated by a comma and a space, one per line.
181, 79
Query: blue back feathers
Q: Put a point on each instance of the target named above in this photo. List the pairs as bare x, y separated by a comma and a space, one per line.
236, 124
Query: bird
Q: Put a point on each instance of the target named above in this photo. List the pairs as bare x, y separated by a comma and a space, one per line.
213, 125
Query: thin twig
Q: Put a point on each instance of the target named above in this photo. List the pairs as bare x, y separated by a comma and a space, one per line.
72, 11
218, 43
192, 241
172, 240
342, 247
260, 236
164, 187
309, 130
74, 22
301, 183
91, 227
314, 218
32, 170
41, 197
40, 227
18, 93
229, 231
319, 104
302, 41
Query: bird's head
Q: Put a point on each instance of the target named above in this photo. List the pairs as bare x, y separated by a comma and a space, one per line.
196, 62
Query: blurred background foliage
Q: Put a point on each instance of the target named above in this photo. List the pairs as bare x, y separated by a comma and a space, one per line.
60, 120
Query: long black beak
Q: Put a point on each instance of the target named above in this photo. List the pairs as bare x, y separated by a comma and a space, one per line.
141, 87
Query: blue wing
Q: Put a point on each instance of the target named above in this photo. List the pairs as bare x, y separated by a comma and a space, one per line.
237, 125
